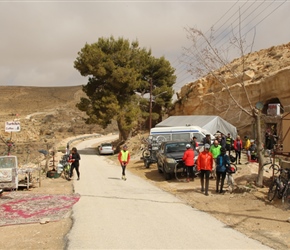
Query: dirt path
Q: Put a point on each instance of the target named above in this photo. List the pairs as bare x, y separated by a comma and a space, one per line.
247, 210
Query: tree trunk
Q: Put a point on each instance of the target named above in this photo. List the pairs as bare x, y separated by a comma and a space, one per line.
257, 117
123, 134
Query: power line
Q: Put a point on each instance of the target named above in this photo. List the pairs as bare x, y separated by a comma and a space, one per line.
186, 71
249, 15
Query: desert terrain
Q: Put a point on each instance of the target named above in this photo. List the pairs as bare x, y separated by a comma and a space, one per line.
54, 122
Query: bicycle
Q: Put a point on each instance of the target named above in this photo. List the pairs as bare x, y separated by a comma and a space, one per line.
286, 194
279, 186
66, 171
229, 176
66, 167
149, 153
275, 167
180, 168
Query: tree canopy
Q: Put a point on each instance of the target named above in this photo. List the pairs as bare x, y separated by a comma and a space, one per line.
117, 71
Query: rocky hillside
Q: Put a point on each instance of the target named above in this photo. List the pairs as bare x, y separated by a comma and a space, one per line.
47, 115
266, 74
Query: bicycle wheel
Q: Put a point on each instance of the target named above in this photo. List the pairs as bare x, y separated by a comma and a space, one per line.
272, 192
66, 171
179, 169
160, 139
234, 166
146, 153
275, 167
286, 197
147, 162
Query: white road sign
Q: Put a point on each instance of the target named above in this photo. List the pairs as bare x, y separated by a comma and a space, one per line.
13, 126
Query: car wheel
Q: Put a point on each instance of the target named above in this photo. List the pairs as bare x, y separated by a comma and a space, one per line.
159, 168
167, 176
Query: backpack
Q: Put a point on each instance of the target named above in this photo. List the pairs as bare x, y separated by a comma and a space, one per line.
221, 163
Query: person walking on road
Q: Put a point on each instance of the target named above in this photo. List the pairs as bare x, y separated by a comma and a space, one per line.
124, 158
222, 162
75, 162
188, 159
204, 165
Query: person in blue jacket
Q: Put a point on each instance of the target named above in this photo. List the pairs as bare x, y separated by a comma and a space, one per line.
222, 162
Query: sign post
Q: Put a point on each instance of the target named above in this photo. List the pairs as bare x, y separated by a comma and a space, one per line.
11, 126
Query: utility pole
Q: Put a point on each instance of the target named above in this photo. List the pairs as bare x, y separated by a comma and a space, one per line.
150, 105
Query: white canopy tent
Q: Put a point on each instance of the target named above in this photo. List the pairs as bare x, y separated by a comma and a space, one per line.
211, 123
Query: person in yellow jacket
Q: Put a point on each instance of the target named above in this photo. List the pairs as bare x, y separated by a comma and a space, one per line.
124, 158
247, 148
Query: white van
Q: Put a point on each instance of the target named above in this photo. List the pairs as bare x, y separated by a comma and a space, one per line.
181, 133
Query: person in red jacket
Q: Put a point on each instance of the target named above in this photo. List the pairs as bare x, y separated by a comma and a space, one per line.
188, 159
205, 165
124, 158
238, 146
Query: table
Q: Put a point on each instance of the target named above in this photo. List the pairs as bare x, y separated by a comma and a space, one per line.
28, 173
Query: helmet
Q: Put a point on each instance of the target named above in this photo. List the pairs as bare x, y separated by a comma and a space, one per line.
187, 146
223, 151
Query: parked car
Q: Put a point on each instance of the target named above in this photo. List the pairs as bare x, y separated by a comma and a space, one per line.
106, 149
170, 154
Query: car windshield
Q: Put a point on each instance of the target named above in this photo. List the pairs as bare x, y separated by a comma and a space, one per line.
175, 147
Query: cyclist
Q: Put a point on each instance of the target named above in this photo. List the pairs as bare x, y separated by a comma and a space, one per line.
75, 158
253, 151
222, 162
188, 158
247, 148
194, 144
124, 158
215, 149
204, 165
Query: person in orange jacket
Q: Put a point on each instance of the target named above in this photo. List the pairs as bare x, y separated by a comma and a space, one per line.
188, 159
205, 165
124, 158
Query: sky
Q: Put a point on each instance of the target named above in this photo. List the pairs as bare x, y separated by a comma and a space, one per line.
40, 39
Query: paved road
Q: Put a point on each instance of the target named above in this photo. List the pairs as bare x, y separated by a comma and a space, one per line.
134, 214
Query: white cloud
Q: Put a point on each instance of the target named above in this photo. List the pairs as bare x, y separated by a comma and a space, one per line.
40, 40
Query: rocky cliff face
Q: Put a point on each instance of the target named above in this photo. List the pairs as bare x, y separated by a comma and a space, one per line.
266, 78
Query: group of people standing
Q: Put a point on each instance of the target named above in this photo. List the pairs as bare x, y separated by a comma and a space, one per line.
214, 161
237, 145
